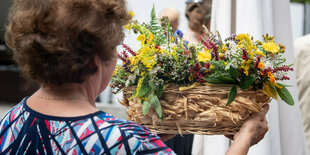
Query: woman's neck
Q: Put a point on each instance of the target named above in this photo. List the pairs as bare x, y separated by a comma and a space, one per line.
67, 100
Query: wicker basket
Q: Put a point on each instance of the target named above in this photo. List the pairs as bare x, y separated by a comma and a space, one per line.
200, 110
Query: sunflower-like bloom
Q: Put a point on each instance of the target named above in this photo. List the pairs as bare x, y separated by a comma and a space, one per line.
204, 56
271, 47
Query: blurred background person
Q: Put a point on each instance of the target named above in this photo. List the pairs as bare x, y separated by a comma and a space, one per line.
173, 15
198, 13
302, 53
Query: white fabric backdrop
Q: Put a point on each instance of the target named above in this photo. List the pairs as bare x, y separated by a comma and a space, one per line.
257, 17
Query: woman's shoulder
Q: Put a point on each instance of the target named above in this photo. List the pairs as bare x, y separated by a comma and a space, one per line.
126, 126
12, 114
136, 135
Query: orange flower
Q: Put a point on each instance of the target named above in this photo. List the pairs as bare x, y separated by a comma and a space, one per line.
271, 77
269, 74
260, 65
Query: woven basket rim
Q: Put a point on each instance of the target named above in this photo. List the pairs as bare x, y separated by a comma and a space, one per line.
187, 111
176, 87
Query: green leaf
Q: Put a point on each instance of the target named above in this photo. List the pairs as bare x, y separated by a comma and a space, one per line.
247, 82
143, 90
227, 80
214, 81
146, 107
220, 80
284, 85
156, 104
134, 93
154, 21
159, 91
233, 72
152, 85
232, 95
285, 96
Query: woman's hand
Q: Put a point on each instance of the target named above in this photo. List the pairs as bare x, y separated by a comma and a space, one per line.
251, 132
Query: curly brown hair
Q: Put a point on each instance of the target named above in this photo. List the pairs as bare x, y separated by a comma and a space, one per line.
199, 14
55, 41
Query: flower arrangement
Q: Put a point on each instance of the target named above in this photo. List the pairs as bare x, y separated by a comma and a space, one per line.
166, 58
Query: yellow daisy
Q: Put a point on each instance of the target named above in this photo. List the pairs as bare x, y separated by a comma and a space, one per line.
204, 56
271, 47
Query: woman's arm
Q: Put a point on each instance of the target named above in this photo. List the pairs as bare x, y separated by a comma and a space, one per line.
251, 132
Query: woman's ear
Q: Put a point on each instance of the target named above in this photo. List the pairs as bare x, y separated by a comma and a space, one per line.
94, 63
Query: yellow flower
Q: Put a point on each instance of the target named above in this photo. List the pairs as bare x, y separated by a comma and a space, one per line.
174, 48
128, 26
141, 38
245, 42
245, 69
243, 37
224, 48
116, 70
261, 65
174, 53
271, 47
151, 37
204, 56
147, 57
133, 60
131, 14
260, 53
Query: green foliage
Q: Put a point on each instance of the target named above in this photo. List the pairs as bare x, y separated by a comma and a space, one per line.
285, 95
156, 104
152, 100
233, 72
118, 80
146, 107
301, 1
247, 82
219, 74
232, 95
155, 28
145, 88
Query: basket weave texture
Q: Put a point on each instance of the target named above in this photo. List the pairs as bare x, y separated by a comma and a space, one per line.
199, 110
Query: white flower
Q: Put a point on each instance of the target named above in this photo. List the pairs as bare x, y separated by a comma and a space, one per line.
131, 79
279, 74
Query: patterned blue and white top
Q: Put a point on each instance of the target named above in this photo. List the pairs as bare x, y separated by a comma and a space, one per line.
25, 131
